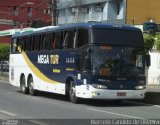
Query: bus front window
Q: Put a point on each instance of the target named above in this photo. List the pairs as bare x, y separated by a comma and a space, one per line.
117, 61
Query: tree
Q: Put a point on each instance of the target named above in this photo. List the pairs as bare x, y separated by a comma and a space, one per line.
4, 52
149, 42
157, 43
38, 23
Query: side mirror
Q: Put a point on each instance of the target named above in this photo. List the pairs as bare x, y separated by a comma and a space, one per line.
148, 60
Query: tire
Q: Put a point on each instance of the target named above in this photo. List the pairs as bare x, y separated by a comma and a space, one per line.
24, 89
72, 92
32, 91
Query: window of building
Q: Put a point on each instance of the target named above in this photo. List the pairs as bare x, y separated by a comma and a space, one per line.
29, 11
118, 8
47, 11
74, 10
85, 10
99, 8
15, 23
15, 10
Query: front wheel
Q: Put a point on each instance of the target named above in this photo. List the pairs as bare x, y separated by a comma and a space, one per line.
31, 87
72, 92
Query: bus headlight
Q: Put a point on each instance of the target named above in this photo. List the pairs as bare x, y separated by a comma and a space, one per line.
140, 87
97, 86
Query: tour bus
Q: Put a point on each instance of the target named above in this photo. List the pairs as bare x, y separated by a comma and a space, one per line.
85, 60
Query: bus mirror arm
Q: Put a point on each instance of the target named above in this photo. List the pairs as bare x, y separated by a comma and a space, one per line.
87, 63
148, 60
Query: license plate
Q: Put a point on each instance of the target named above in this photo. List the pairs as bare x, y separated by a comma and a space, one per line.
121, 94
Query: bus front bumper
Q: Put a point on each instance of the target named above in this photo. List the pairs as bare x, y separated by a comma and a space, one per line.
87, 91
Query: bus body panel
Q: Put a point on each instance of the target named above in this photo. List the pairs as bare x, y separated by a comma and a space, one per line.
20, 67
52, 68
87, 91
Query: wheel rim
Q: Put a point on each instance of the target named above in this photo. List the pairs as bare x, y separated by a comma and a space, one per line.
31, 85
72, 92
23, 85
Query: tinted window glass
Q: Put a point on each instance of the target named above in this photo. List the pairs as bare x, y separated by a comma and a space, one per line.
82, 37
116, 36
28, 43
47, 41
36, 40
69, 39
58, 40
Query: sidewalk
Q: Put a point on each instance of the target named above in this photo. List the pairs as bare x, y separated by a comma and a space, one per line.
4, 76
153, 88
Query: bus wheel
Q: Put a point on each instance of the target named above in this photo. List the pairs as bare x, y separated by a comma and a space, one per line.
72, 92
31, 86
24, 89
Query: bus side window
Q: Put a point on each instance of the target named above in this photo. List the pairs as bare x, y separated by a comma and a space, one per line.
69, 39
14, 45
58, 40
21, 45
28, 43
53, 41
41, 42
47, 41
36, 40
82, 38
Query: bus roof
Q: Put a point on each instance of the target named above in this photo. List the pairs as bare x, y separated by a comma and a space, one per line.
77, 25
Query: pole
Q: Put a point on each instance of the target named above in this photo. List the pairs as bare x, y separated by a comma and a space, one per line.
52, 12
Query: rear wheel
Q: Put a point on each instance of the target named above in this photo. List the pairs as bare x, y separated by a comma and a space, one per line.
24, 89
72, 92
31, 87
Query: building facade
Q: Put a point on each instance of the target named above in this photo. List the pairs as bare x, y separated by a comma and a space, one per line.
21, 13
72, 11
140, 11
133, 12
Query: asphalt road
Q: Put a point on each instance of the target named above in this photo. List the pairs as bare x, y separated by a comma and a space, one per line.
52, 109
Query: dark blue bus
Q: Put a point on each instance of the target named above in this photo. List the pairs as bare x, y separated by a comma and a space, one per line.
87, 60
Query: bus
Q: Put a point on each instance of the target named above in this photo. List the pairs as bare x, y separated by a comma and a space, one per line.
150, 27
85, 60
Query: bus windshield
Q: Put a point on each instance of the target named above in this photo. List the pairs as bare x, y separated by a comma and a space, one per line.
117, 36
117, 61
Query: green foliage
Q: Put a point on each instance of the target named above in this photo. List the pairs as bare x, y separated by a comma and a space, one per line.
149, 41
157, 43
38, 24
4, 52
